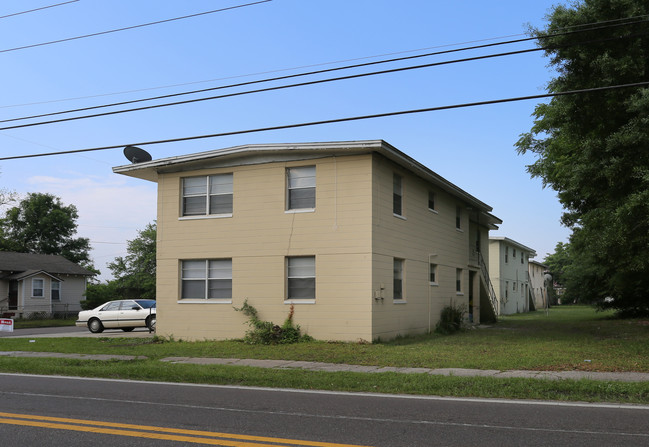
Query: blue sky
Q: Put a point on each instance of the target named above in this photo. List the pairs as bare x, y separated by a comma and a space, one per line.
471, 147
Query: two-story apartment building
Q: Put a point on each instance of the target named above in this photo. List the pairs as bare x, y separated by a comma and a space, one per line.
540, 281
508, 267
364, 241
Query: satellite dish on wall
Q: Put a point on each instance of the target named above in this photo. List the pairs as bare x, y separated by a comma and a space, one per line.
136, 155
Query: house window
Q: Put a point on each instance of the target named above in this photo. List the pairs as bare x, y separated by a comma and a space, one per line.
514, 286
209, 195
56, 290
458, 217
206, 279
458, 280
38, 286
397, 195
522, 258
506, 255
397, 279
431, 200
300, 274
300, 188
513, 252
432, 274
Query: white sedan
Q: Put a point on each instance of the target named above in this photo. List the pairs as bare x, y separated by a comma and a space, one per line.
122, 314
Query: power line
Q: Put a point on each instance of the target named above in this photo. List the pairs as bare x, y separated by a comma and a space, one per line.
338, 120
37, 9
559, 32
329, 70
131, 27
281, 87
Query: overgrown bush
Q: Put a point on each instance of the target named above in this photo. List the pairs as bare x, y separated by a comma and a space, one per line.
266, 332
451, 319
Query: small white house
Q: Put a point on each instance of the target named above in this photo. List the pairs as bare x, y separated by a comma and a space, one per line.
508, 269
34, 283
539, 284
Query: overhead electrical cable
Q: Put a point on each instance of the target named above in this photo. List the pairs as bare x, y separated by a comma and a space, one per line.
52, 42
338, 120
559, 32
310, 73
37, 9
281, 87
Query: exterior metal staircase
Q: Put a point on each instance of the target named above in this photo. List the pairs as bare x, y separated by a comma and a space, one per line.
486, 283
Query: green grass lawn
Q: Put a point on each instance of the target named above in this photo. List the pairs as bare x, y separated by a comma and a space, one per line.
569, 338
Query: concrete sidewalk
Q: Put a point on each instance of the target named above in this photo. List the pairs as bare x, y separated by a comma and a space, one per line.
336, 367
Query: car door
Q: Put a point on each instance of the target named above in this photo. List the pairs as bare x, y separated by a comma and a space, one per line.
109, 314
131, 314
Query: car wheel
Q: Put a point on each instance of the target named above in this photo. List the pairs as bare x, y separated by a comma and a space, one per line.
95, 326
127, 329
150, 322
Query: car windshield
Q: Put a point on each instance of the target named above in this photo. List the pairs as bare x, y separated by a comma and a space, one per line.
146, 304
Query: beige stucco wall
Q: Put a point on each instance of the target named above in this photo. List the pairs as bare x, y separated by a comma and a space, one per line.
258, 237
420, 236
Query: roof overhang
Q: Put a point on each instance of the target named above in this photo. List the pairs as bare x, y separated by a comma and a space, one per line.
513, 243
269, 153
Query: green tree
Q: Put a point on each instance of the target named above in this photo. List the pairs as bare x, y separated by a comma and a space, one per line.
593, 148
40, 223
135, 274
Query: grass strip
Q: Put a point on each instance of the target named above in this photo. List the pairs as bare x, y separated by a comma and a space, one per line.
416, 384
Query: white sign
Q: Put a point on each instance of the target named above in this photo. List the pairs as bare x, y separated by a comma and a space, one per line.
6, 325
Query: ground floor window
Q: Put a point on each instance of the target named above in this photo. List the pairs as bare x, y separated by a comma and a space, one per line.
206, 279
398, 279
300, 277
56, 290
38, 285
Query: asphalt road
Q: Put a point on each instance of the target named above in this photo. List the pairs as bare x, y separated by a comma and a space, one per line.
162, 414
73, 331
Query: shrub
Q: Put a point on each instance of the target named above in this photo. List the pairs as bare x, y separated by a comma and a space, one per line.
451, 319
266, 332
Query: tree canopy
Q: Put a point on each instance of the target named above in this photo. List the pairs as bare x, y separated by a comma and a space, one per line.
40, 223
135, 274
593, 148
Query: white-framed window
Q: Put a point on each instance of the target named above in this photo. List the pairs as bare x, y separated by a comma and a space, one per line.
432, 273
207, 195
458, 217
458, 280
300, 278
397, 195
397, 282
38, 288
56, 290
431, 200
206, 279
506, 254
300, 188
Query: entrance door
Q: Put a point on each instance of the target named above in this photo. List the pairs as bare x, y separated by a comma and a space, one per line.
471, 293
13, 295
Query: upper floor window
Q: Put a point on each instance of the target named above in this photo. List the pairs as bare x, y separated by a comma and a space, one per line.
431, 200
300, 188
56, 290
38, 286
206, 278
506, 254
207, 195
397, 195
458, 217
522, 258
